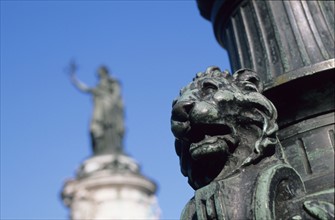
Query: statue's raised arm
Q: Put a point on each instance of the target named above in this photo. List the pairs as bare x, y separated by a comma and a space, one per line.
107, 123
77, 83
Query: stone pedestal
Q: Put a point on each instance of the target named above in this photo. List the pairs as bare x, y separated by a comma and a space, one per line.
110, 187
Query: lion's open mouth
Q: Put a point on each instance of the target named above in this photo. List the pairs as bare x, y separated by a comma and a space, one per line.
200, 132
210, 138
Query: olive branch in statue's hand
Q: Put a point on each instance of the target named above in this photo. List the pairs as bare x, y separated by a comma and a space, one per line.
72, 68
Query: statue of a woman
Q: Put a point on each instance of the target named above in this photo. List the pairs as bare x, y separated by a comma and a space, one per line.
107, 127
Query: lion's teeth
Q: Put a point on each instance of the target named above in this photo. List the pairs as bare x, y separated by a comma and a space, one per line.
210, 139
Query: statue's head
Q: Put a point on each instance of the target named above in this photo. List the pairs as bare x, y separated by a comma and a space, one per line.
103, 72
222, 122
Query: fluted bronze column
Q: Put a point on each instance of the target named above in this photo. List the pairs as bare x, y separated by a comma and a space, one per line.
291, 45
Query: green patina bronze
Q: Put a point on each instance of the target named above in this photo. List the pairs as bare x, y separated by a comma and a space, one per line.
226, 139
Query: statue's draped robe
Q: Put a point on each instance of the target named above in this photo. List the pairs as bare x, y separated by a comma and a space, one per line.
107, 126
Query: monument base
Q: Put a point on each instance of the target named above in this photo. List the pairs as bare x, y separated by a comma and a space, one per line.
110, 187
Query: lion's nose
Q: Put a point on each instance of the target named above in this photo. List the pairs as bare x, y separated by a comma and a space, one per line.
181, 110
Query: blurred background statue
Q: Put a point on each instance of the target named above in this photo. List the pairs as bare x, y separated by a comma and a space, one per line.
109, 171
107, 123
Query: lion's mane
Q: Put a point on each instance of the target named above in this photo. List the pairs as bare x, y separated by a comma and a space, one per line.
235, 99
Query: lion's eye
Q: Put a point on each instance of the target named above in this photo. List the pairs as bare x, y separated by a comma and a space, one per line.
250, 86
209, 87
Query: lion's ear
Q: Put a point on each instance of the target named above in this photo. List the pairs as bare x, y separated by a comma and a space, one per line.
247, 75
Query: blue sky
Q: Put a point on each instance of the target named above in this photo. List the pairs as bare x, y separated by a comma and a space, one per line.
153, 47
